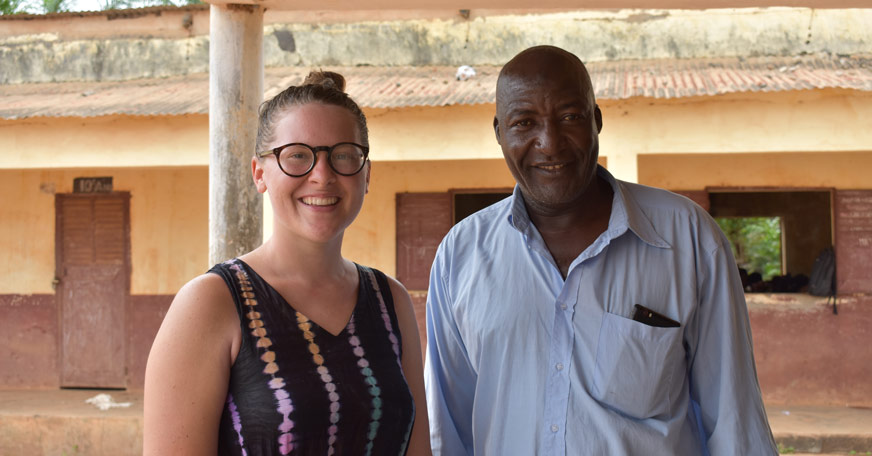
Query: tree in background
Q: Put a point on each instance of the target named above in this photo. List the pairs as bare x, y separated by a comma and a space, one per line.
756, 243
130, 4
54, 6
11, 7
8, 7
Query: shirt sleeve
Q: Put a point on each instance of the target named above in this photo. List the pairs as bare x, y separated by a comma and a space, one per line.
724, 387
448, 374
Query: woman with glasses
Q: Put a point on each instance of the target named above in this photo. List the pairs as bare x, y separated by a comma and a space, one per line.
291, 348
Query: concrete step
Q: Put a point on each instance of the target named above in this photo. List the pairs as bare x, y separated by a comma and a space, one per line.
820, 430
61, 423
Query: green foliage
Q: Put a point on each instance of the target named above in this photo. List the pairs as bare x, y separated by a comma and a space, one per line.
11, 7
54, 6
128, 4
34, 6
785, 449
756, 243
59, 6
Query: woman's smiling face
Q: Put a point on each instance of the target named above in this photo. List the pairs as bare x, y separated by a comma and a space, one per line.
321, 204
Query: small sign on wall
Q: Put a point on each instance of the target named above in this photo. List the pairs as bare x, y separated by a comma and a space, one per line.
92, 185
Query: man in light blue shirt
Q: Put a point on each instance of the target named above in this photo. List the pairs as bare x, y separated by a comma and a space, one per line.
584, 315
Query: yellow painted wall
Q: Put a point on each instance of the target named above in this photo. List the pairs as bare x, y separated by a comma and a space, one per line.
372, 238
433, 133
844, 170
810, 138
111, 142
168, 218
819, 120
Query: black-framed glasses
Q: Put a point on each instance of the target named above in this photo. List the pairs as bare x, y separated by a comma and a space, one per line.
298, 159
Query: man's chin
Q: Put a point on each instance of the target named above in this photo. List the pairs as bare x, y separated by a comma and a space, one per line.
546, 200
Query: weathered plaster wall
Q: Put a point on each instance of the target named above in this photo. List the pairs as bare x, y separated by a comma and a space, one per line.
112, 142
844, 170
459, 132
493, 40
28, 341
165, 22
819, 120
168, 233
677, 145
807, 355
29, 338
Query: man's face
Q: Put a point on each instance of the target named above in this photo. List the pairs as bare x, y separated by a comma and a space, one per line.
547, 125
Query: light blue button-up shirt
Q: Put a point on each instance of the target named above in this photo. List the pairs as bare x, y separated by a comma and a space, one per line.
523, 362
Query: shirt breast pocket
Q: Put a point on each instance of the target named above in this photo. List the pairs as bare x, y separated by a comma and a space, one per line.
638, 367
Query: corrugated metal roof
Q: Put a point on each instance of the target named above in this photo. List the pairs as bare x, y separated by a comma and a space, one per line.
689, 78
393, 87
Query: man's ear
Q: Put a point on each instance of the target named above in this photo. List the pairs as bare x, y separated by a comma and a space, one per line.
598, 117
497, 128
257, 175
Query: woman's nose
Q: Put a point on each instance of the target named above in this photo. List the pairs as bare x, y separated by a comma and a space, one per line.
322, 172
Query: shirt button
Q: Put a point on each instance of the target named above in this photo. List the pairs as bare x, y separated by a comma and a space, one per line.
563, 305
554, 428
559, 366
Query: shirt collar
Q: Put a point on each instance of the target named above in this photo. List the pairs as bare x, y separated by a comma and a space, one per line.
626, 214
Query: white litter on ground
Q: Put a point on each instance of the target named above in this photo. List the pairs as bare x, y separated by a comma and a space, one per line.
104, 401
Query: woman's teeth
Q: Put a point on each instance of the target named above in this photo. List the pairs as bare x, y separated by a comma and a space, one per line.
315, 201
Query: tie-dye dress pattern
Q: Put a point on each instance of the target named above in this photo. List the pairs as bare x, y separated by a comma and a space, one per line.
297, 389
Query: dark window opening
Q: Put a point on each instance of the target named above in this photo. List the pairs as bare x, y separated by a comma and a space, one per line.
775, 235
466, 204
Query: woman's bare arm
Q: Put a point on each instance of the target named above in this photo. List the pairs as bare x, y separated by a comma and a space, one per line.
188, 370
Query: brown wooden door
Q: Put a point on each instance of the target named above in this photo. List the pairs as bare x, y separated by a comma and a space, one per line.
423, 219
93, 283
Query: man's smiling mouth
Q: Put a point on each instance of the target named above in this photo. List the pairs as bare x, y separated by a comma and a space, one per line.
551, 167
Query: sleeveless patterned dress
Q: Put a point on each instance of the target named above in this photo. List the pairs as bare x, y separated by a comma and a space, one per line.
296, 389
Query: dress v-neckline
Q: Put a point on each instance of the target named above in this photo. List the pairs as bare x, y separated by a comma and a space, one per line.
360, 291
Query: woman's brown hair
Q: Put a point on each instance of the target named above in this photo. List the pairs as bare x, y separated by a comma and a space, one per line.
324, 87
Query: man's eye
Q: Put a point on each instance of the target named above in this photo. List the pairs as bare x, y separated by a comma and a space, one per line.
522, 123
571, 117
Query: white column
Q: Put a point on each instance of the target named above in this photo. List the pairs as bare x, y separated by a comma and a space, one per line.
235, 92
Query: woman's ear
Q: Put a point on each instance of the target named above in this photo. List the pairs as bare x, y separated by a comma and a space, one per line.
257, 174
368, 169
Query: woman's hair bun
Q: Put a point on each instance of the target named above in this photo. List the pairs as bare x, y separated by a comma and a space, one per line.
327, 79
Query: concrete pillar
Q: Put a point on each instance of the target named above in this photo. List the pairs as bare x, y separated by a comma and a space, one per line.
235, 92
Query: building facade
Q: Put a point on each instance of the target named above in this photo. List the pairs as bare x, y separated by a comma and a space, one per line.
104, 156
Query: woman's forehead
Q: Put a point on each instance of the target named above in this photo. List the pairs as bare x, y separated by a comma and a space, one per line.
316, 122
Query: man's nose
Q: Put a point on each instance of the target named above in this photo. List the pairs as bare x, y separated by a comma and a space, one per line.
548, 138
